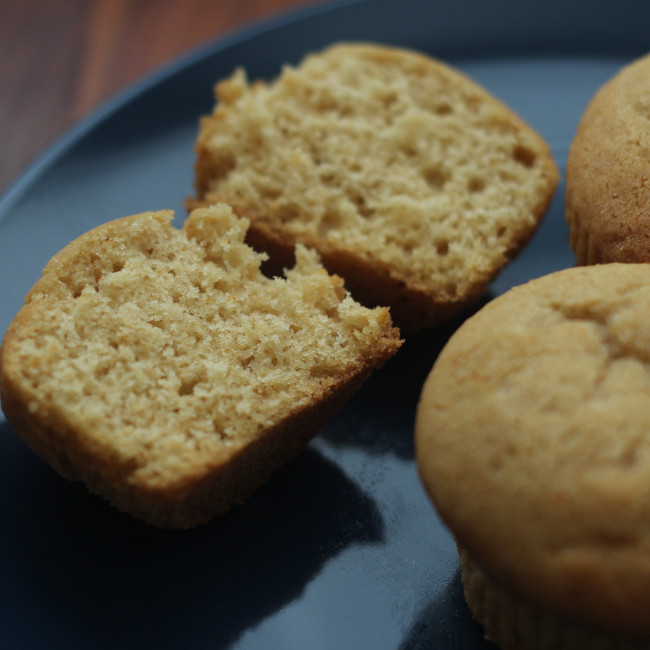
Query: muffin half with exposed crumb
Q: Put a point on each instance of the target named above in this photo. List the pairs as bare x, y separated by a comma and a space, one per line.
411, 181
163, 369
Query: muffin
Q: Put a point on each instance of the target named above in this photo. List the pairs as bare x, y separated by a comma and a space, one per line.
607, 193
532, 442
163, 369
410, 180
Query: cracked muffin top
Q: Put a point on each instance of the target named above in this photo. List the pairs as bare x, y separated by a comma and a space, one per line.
533, 440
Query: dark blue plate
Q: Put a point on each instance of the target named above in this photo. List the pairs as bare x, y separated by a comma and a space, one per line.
341, 549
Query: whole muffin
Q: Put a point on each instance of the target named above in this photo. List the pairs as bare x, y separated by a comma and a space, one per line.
607, 194
532, 439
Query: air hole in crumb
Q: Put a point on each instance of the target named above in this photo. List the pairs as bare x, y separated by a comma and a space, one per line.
524, 156
325, 103
443, 109
270, 193
187, 387
436, 177
330, 179
442, 247
118, 266
318, 371
219, 166
360, 203
220, 285
330, 221
101, 372
246, 361
476, 185
287, 212
389, 100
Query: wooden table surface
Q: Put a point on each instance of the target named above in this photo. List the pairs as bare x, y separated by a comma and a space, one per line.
59, 59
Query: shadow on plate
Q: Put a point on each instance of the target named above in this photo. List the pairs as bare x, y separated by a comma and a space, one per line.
381, 416
77, 573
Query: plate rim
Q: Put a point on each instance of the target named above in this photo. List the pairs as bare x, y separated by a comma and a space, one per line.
148, 81
265, 25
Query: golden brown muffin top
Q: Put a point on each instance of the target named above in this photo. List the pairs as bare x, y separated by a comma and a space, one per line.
533, 441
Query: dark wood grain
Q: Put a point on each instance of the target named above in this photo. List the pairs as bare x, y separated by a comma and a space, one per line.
59, 59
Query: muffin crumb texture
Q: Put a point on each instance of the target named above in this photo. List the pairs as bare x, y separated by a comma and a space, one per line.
394, 166
148, 359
